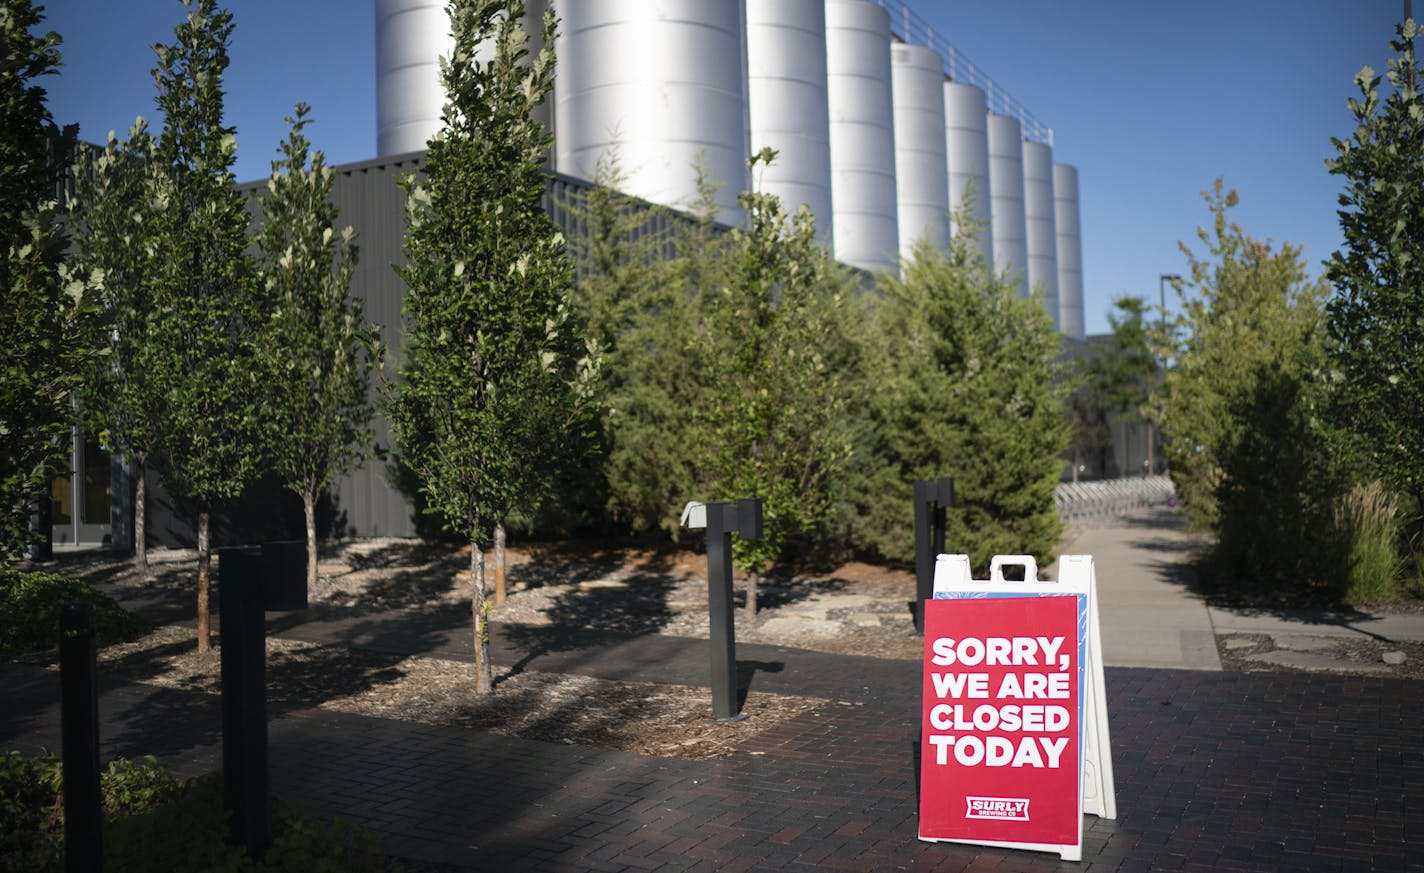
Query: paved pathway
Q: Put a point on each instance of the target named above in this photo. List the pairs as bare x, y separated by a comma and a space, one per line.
1150, 615
1214, 771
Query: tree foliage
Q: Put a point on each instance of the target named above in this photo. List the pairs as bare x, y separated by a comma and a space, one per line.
728, 363
122, 399
1123, 372
968, 386
494, 363
318, 350
770, 348
642, 291
1240, 404
1377, 316
205, 300
49, 326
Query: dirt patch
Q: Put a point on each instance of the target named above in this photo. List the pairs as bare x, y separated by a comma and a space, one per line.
860, 609
1242, 652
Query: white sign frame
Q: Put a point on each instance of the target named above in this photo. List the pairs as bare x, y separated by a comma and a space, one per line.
1076, 575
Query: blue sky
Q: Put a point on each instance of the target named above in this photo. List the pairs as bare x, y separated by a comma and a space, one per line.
1151, 101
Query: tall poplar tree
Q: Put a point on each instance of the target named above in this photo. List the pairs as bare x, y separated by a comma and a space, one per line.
318, 349
113, 224
205, 297
493, 358
48, 334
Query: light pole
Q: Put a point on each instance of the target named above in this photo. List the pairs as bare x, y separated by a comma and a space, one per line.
1162, 281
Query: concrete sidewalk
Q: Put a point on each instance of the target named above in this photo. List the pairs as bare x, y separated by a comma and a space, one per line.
1150, 614
1153, 615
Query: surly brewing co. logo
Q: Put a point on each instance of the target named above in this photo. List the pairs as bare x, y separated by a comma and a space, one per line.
997, 808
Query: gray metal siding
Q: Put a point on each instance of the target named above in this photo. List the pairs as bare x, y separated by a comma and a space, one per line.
369, 198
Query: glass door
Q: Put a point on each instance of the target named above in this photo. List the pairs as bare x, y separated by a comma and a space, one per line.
81, 500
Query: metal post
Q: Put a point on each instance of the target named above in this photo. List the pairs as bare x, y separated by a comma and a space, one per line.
79, 730
931, 499
720, 522
244, 697
1162, 281
924, 552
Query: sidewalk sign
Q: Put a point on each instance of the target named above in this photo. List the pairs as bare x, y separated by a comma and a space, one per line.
1014, 732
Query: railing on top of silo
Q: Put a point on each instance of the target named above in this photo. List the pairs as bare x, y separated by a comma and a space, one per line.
1110, 498
908, 26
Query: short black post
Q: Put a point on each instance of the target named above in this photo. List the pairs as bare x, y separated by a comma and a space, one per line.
931, 498
722, 520
719, 609
244, 696
79, 730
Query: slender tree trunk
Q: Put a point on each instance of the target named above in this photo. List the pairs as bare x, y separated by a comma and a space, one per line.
1151, 454
205, 555
484, 675
499, 589
751, 606
309, 504
140, 515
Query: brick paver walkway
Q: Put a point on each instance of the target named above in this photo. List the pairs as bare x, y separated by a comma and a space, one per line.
1215, 771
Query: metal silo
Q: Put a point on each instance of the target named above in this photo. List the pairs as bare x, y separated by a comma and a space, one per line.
787, 104
1070, 250
663, 81
862, 134
1006, 206
1040, 224
921, 169
966, 133
411, 35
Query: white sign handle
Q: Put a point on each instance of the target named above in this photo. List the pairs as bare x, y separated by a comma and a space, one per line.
996, 567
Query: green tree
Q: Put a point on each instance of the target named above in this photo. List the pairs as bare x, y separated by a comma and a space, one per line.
205, 299
319, 351
48, 313
1124, 374
968, 387
773, 421
113, 226
1376, 318
642, 295
494, 362
1239, 403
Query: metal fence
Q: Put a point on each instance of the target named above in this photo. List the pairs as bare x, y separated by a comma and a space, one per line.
907, 24
1109, 498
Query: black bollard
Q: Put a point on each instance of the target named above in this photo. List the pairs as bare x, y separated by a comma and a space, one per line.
722, 629
931, 498
79, 730
244, 696
722, 520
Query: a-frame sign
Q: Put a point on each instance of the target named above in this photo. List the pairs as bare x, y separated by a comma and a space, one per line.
1014, 731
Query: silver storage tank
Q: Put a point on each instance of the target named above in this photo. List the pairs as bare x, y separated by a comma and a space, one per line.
787, 104
966, 133
921, 168
1070, 249
663, 81
411, 35
1007, 202
1040, 225
862, 134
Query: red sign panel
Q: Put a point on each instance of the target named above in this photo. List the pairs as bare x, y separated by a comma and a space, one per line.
1000, 720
